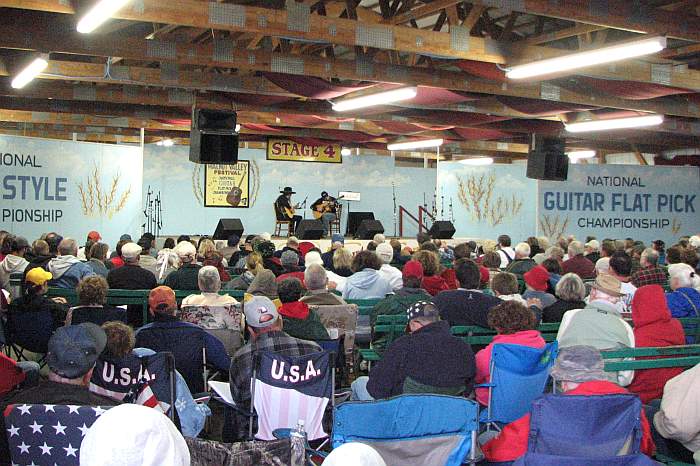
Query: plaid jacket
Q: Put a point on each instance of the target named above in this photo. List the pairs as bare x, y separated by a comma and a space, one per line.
241, 370
652, 275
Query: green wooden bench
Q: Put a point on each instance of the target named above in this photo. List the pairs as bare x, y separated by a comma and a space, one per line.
364, 306
117, 297
669, 356
390, 327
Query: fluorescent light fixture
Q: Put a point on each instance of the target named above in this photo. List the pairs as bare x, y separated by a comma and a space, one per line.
98, 14
165, 143
345, 151
32, 70
238, 128
614, 123
477, 161
588, 58
379, 98
581, 154
424, 144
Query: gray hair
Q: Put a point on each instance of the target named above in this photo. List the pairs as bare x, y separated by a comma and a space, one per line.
575, 248
554, 252
522, 249
68, 247
684, 274
208, 279
571, 288
651, 256
289, 258
315, 277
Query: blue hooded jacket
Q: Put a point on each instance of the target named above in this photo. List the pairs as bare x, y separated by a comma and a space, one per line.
366, 284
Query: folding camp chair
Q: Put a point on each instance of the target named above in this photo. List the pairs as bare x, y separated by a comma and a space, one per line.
585, 430
60, 444
287, 389
435, 430
29, 332
518, 376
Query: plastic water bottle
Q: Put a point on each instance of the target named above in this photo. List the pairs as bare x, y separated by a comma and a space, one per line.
298, 443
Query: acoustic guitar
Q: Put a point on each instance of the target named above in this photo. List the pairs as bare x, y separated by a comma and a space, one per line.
326, 207
234, 196
289, 212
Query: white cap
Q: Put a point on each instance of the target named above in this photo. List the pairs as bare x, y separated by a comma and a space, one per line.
266, 236
385, 252
131, 250
313, 257
354, 454
185, 249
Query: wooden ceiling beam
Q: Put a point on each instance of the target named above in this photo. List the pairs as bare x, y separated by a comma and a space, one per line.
212, 55
423, 11
562, 34
616, 14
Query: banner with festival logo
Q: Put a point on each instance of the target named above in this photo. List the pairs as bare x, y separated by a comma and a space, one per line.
296, 151
227, 185
620, 201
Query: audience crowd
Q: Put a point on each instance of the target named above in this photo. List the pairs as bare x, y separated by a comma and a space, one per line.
603, 294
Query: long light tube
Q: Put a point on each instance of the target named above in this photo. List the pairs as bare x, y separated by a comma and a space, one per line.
581, 154
415, 144
614, 123
477, 161
588, 58
98, 14
32, 70
379, 98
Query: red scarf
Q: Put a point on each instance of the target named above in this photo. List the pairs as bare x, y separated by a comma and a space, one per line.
295, 310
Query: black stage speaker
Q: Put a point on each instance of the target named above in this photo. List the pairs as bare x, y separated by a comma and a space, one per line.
309, 229
369, 228
228, 227
213, 137
547, 159
354, 221
442, 229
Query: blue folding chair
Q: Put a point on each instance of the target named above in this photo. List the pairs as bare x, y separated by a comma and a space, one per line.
518, 376
433, 430
585, 430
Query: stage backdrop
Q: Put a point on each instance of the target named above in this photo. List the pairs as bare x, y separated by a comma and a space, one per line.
617, 201
70, 187
181, 183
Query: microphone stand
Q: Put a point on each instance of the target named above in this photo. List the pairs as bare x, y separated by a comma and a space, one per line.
304, 203
393, 191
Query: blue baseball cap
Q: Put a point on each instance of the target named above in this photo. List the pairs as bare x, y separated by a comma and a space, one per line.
73, 349
336, 238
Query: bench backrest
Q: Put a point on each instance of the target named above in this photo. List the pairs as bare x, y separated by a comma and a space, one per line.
666, 356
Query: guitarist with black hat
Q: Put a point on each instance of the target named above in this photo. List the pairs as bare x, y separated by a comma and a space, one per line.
285, 209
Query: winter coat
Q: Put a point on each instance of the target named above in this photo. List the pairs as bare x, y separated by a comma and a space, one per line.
653, 326
300, 322
98, 267
529, 338
67, 271
434, 284
392, 275
684, 302
366, 284
9, 265
556, 311
677, 419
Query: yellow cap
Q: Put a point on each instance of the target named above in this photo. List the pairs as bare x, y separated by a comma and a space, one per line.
38, 276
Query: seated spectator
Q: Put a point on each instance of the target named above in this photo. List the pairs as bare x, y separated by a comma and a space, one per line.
337, 241
504, 250
536, 284
66, 269
577, 263
534, 246
342, 262
649, 273
216, 259
72, 352
211, 310
292, 245
515, 325
409, 294
97, 259
131, 276
185, 277
231, 251
290, 264
253, 265
599, 324
522, 262
505, 286
675, 424
133, 435
168, 333
653, 327
34, 301
570, 293
264, 284
684, 298
389, 272
204, 246
554, 268
14, 248
592, 251
579, 370
433, 282
366, 282
299, 321
209, 283
427, 360
266, 249
264, 326
146, 260
116, 257
166, 262
466, 305
621, 268
41, 255
237, 260
316, 281
492, 262
92, 304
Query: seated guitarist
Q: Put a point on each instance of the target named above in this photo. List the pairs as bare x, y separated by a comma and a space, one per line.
325, 209
285, 209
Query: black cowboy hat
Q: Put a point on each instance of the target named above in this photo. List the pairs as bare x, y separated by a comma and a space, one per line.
288, 190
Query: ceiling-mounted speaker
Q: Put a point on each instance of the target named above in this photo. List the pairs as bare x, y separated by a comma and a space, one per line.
213, 137
547, 159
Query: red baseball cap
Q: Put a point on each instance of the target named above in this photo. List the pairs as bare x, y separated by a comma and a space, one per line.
537, 278
162, 299
412, 269
94, 236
